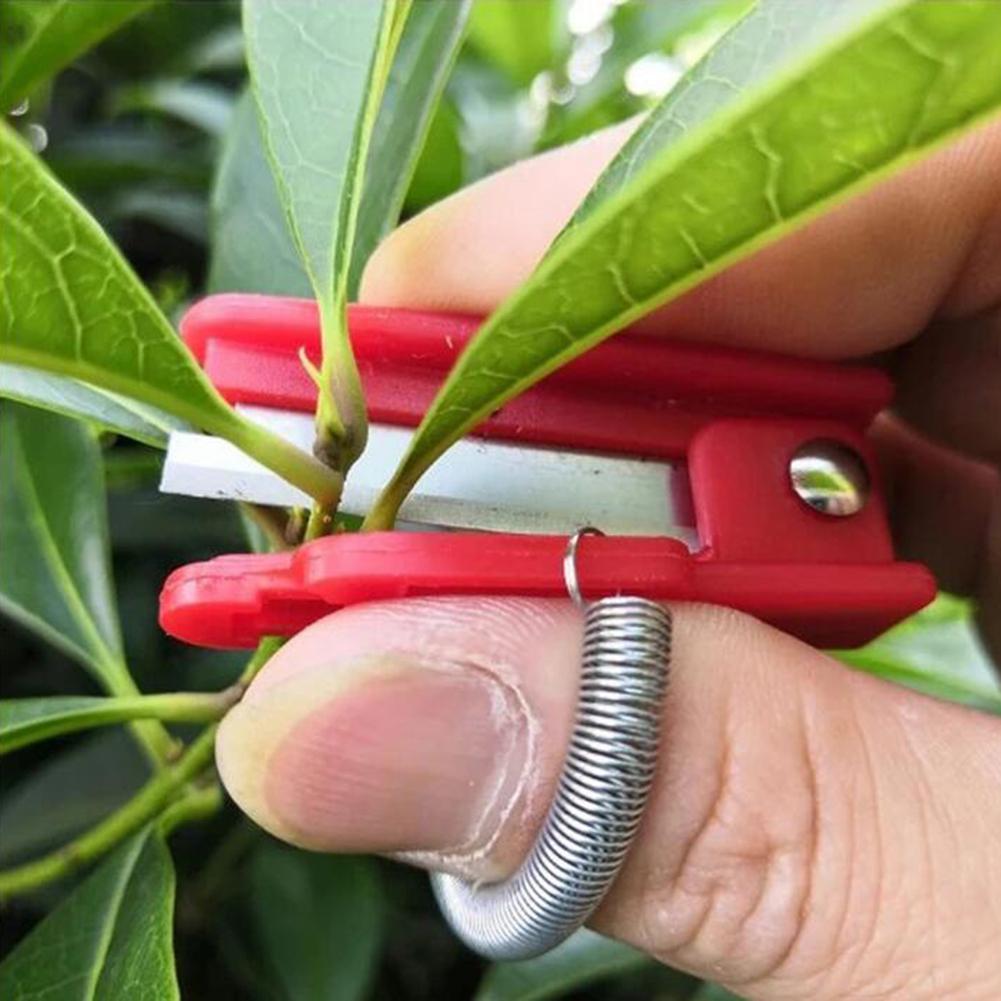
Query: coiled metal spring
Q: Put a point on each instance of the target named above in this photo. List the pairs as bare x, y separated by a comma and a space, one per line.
602, 790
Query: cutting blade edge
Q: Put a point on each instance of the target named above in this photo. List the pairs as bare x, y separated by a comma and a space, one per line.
478, 484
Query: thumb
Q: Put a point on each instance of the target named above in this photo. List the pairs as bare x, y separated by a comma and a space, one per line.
812, 832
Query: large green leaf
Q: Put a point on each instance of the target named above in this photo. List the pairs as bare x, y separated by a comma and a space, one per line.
70, 792
319, 922
584, 958
39, 37
423, 60
55, 575
70, 304
797, 105
76, 399
112, 937
318, 71
252, 250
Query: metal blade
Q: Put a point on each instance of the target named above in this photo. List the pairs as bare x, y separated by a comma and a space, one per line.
481, 484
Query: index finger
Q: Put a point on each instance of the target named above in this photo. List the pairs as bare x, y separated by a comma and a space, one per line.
865, 277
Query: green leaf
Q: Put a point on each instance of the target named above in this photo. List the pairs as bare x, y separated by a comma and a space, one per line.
252, 249
319, 922
583, 959
72, 398
936, 652
420, 69
112, 937
522, 37
39, 37
441, 168
314, 66
26, 721
318, 72
70, 304
68, 793
796, 106
56, 578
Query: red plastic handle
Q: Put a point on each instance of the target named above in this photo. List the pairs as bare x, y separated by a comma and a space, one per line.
737, 417
636, 395
232, 601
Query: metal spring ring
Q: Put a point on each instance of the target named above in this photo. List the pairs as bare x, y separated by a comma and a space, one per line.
602, 791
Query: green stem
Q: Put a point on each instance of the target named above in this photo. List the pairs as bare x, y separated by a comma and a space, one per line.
157, 744
323, 484
193, 804
143, 807
382, 516
266, 649
175, 707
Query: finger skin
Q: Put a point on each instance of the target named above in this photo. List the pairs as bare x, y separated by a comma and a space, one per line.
813, 832
865, 277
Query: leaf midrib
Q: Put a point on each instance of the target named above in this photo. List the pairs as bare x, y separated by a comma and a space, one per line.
110, 666
111, 917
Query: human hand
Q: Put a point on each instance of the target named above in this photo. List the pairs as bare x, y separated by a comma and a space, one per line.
813, 832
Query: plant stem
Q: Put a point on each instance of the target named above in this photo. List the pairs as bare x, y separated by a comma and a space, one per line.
157, 744
322, 483
174, 707
194, 804
143, 807
266, 649
382, 516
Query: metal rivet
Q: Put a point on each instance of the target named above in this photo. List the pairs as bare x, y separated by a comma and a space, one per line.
830, 477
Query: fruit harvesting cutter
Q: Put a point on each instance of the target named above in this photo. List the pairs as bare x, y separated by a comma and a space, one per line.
717, 475
723, 476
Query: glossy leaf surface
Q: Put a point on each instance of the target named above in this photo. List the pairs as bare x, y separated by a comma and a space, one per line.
69, 303
764, 134
112, 937
55, 578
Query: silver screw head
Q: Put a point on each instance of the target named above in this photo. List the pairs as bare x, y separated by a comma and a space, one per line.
829, 477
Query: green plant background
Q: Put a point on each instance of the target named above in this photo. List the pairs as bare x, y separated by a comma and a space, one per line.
152, 130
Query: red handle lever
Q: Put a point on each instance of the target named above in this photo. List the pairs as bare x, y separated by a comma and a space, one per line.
232, 601
737, 416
